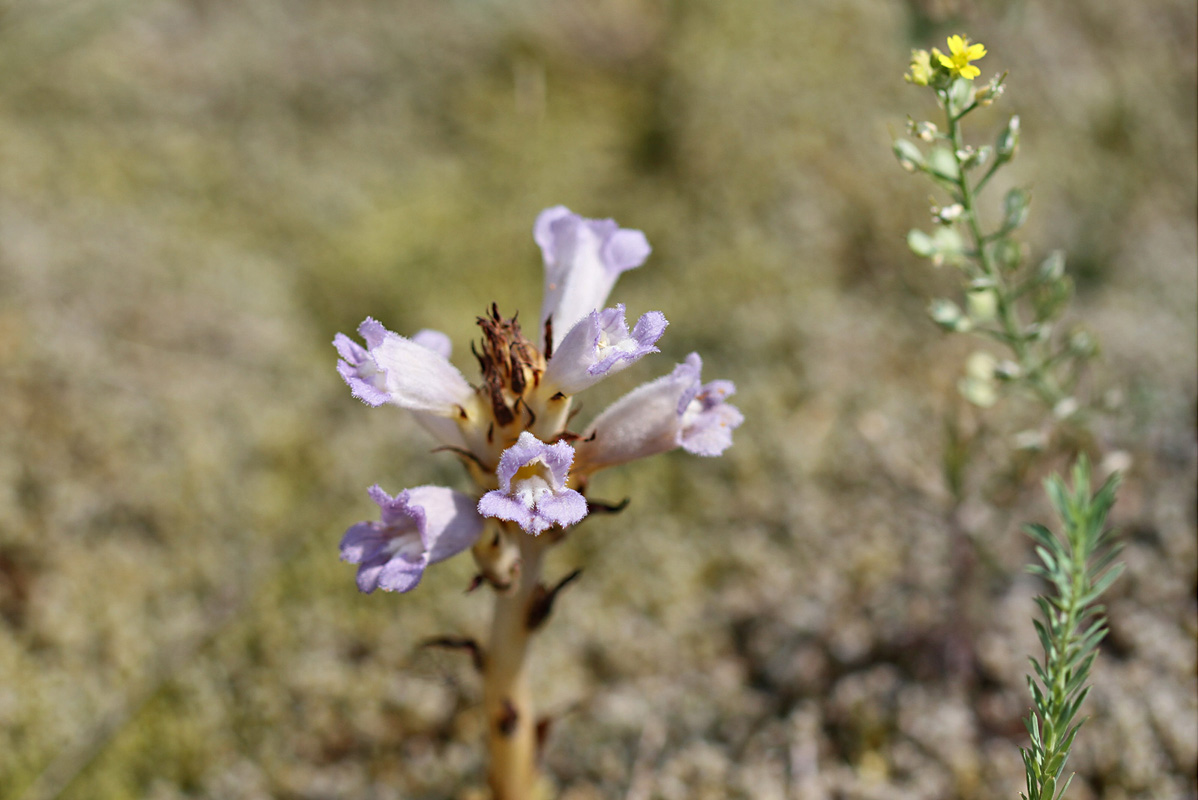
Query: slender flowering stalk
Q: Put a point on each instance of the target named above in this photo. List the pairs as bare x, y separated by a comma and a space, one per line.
530, 472
1011, 303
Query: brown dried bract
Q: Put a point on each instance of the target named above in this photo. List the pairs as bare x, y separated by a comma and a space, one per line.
510, 364
508, 718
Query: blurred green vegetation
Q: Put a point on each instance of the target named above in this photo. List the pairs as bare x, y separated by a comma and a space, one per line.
195, 196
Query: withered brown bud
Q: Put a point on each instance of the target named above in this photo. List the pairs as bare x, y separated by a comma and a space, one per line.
510, 364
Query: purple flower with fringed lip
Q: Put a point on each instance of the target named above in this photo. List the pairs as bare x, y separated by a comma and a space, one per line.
532, 487
526, 389
418, 527
583, 258
599, 345
406, 373
676, 410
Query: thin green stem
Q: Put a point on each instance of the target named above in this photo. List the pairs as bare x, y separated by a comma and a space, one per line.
994, 165
1008, 316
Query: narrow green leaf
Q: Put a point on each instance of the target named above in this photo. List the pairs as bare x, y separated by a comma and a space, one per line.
1038, 698
1055, 488
1078, 678
1105, 497
1069, 711
1032, 731
1041, 534
1087, 647
1045, 606
1100, 563
1069, 738
1049, 561
1103, 583
1045, 640
1040, 673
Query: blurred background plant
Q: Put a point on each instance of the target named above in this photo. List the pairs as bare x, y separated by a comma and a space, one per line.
195, 196
1077, 566
1009, 299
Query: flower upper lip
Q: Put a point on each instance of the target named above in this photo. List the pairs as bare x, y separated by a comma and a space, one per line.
583, 258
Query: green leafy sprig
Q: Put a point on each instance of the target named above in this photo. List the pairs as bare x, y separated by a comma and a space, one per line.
1078, 568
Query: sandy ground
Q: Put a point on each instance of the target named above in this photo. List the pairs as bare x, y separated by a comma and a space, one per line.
195, 196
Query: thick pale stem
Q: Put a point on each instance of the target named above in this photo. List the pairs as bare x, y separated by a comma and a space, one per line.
511, 721
553, 416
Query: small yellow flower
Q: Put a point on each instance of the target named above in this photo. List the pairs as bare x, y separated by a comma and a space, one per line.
962, 53
921, 68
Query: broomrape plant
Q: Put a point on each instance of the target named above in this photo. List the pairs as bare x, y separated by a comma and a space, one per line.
1020, 308
530, 471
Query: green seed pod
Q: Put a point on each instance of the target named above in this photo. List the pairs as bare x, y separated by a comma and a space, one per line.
941, 160
1015, 207
960, 94
1007, 370
921, 244
1050, 298
981, 365
982, 393
1008, 141
909, 156
982, 304
948, 316
1009, 254
1052, 268
1082, 344
922, 130
950, 248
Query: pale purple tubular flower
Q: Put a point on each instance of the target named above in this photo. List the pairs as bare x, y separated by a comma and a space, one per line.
357, 366
418, 527
532, 487
436, 341
583, 257
444, 429
601, 345
675, 410
392, 369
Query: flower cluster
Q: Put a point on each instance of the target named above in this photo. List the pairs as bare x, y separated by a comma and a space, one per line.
511, 429
936, 67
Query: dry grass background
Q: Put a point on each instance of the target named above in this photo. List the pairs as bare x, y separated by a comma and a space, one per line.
195, 196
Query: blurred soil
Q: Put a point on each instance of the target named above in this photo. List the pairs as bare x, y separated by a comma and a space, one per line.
195, 196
